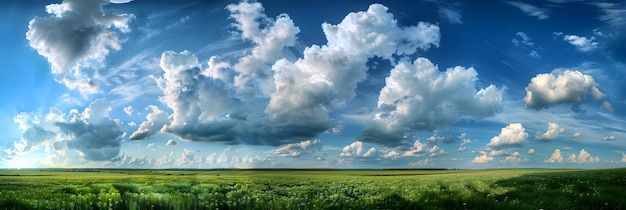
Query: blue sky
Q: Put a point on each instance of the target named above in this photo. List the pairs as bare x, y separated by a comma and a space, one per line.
324, 84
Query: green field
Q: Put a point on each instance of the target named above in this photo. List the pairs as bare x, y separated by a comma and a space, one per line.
313, 189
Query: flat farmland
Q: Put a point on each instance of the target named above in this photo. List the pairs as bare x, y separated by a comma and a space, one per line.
313, 189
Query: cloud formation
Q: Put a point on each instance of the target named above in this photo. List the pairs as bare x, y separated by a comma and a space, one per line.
552, 133
358, 150
556, 157
482, 158
559, 87
583, 157
513, 135
582, 43
155, 120
76, 40
299, 149
540, 13
417, 97
269, 36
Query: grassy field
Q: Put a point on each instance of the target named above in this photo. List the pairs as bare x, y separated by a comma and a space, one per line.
313, 189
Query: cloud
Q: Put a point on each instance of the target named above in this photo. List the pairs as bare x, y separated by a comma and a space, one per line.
513, 135
623, 160
582, 43
155, 120
418, 97
552, 133
576, 135
76, 40
436, 151
607, 106
531, 151
540, 13
423, 162
327, 76
36, 130
450, 14
558, 87
391, 154
91, 133
416, 150
614, 13
482, 159
583, 157
514, 159
609, 138
128, 110
171, 143
299, 149
555, 157
524, 40
269, 36
358, 150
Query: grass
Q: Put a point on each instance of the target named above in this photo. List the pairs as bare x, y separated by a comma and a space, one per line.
313, 189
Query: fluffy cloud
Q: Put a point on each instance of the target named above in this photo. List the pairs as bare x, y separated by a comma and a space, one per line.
299, 149
558, 87
623, 160
269, 37
171, 143
512, 135
91, 133
552, 133
417, 150
582, 43
555, 157
576, 135
482, 159
418, 97
327, 76
531, 151
154, 122
436, 151
76, 39
583, 157
540, 13
391, 154
36, 130
514, 159
358, 150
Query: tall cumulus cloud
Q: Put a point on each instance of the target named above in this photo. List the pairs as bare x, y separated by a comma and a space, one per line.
417, 97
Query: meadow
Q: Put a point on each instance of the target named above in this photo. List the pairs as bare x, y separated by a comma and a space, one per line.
313, 189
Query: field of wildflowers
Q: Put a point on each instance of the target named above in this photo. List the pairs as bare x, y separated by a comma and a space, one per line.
313, 189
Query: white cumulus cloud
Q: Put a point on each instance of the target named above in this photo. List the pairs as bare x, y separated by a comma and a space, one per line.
552, 133
482, 158
531, 151
358, 150
417, 97
76, 39
558, 87
583, 157
513, 135
556, 157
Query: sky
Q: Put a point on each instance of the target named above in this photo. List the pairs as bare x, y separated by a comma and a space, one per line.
320, 84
